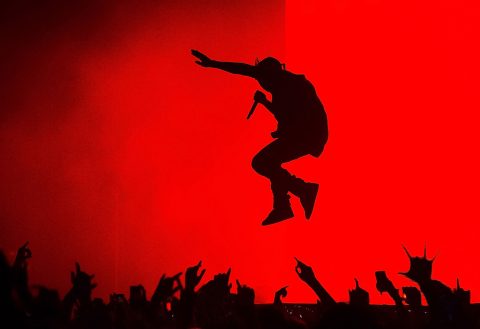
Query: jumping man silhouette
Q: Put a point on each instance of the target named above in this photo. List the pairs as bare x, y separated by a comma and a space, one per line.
302, 129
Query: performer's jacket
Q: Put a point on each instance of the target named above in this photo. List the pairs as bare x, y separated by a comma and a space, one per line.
300, 113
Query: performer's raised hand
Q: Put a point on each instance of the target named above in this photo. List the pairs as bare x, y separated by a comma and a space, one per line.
204, 60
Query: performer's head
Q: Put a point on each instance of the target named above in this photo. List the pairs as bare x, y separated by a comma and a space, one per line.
268, 71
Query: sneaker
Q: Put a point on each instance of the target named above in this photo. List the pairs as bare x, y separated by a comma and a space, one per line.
308, 197
278, 215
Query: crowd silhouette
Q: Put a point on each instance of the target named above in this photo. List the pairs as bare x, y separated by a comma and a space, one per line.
180, 302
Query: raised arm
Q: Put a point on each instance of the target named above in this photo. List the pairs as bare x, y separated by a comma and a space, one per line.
230, 67
305, 273
384, 284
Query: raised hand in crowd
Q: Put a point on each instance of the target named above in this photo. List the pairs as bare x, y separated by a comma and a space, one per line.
305, 273
245, 294
413, 297
167, 287
20, 276
219, 285
359, 296
80, 294
23, 254
82, 283
192, 277
384, 284
186, 305
281, 293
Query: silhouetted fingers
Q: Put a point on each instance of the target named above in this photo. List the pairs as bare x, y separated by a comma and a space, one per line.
176, 277
283, 291
199, 55
298, 270
299, 262
301, 266
197, 267
201, 274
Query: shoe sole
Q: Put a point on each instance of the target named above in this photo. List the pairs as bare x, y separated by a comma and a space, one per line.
266, 223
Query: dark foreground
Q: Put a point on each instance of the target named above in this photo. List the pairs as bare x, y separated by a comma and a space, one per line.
180, 302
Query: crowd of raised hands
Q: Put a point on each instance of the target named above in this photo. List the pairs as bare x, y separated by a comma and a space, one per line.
180, 302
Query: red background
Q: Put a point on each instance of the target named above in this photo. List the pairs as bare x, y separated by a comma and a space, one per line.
121, 153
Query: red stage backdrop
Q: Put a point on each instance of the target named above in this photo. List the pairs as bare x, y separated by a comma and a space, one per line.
119, 152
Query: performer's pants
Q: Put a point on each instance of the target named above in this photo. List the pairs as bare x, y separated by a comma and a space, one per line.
268, 162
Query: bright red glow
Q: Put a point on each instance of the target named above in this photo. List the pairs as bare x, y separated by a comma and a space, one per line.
398, 80
149, 170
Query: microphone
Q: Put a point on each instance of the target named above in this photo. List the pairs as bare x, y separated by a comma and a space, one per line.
255, 103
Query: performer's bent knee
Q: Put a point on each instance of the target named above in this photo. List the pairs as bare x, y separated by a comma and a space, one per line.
260, 165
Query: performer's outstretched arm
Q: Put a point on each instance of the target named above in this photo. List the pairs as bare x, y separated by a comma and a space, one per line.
230, 67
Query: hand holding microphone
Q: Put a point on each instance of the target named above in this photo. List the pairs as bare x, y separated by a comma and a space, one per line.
259, 97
